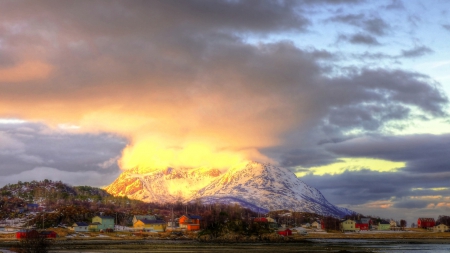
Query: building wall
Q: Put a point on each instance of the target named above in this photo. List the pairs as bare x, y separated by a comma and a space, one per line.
80, 229
160, 227
384, 226
348, 225
105, 223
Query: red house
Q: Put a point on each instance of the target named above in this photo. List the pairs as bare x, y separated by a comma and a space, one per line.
260, 219
48, 234
285, 232
25, 233
361, 225
425, 222
190, 222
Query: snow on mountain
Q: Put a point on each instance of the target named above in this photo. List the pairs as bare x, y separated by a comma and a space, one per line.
260, 187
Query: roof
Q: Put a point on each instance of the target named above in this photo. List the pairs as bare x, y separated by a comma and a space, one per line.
148, 217
145, 221
426, 219
105, 217
197, 217
47, 232
95, 223
385, 222
82, 224
365, 220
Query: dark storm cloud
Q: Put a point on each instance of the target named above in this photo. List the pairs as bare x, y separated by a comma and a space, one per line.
359, 39
412, 204
333, 1
424, 154
416, 52
187, 65
376, 186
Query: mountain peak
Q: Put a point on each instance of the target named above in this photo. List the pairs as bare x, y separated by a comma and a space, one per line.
259, 186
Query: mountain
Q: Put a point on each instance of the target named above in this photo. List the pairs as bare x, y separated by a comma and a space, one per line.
260, 187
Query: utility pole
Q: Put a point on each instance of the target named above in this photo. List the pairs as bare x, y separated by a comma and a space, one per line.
172, 220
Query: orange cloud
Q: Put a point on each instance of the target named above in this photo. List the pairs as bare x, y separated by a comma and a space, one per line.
25, 71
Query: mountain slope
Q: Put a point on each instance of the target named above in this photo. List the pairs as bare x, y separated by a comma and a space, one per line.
261, 187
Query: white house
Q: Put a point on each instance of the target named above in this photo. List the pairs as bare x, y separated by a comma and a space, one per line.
80, 227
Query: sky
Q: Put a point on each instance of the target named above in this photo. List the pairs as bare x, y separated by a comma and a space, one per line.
350, 95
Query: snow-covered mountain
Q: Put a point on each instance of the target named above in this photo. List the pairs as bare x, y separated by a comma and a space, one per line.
261, 187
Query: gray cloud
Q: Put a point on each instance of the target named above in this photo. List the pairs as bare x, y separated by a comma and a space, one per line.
446, 27
416, 51
424, 154
395, 5
359, 39
32, 145
192, 69
372, 25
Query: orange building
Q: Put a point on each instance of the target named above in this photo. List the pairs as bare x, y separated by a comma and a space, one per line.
190, 222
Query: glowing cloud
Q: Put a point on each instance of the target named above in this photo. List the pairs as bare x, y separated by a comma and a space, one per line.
26, 71
354, 164
150, 154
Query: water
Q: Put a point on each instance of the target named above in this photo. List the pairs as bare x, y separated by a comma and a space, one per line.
312, 245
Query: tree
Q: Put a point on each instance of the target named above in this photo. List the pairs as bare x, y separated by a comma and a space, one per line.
403, 224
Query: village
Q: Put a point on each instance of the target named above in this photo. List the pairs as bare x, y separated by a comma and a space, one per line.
282, 224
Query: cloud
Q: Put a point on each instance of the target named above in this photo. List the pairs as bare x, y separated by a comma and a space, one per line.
194, 80
360, 38
416, 52
372, 25
66, 152
26, 71
395, 5
446, 27
345, 164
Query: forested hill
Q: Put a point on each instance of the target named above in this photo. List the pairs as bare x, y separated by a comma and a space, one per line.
47, 190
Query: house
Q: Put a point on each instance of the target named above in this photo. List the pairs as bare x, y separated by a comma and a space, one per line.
393, 223
440, 228
315, 224
348, 225
192, 220
300, 231
272, 223
100, 223
284, 232
80, 227
261, 219
48, 234
150, 225
367, 221
384, 225
425, 222
361, 225
142, 217
173, 224
306, 225
32, 207
25, 233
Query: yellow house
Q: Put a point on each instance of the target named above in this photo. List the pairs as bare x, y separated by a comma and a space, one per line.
150, 225
440, 228
349, 225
